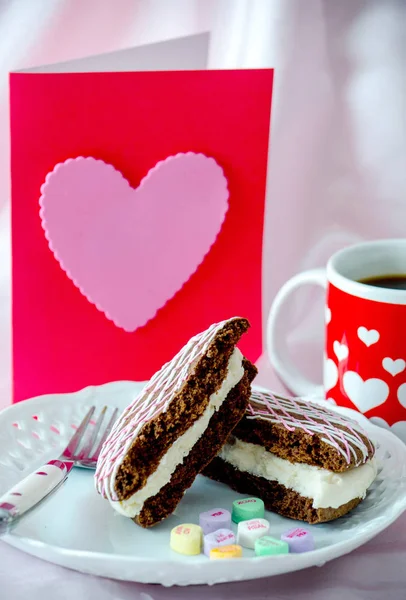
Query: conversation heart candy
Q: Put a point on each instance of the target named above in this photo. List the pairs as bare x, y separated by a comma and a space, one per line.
269, 546
249, 531
212, 520
298, 539
186, 539
231, 551
221, 537
248, 508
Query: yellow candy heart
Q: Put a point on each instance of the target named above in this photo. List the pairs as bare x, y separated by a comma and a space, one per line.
230, 551
187, 539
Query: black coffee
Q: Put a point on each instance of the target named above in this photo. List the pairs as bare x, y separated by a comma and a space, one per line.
394, 282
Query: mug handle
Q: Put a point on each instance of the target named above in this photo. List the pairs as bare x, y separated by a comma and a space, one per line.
277, 348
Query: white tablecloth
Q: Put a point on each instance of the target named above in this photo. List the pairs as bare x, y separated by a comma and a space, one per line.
376, 571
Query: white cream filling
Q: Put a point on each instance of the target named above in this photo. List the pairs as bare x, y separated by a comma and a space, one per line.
328, 489
131, 507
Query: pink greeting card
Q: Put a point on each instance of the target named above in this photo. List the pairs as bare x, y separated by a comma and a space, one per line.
138, 191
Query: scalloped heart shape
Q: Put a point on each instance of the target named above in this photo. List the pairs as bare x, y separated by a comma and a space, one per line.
129, 250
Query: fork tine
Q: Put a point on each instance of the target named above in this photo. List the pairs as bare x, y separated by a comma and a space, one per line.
105, 434
77, 438
90, 443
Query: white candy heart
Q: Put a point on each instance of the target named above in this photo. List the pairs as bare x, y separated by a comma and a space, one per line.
398, 428
250, 531
340, 350
327, 315
365, 395
368, 336
330, 374
402, 394
393, 366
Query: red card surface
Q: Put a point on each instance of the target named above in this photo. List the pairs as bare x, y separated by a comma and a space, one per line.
61, 342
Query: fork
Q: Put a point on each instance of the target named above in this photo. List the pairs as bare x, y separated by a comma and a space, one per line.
29, 493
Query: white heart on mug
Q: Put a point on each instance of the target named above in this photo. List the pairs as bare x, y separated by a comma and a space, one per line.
330, 374
398, 428
365, 395
402, 394
340, 350
327, 314
368, 336
394, 367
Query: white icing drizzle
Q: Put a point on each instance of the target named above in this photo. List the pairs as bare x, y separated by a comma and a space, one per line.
153, 400
312, 419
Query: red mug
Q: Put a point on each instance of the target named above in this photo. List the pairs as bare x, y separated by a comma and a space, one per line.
365, 341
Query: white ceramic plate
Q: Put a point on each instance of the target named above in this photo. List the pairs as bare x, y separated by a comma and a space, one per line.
76, 528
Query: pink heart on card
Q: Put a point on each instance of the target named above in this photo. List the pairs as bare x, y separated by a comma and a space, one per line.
130, 250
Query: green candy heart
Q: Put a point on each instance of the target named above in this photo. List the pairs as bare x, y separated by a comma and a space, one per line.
269, 546
248, 508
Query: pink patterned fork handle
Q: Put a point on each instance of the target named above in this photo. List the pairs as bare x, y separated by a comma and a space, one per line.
31, 491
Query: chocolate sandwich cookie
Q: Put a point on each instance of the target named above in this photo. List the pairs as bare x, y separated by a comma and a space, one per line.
176, 425
304, 461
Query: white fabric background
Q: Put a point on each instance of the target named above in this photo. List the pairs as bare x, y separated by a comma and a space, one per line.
338, 150
337, 175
